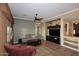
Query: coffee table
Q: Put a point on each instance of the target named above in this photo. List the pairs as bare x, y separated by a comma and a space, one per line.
34, 42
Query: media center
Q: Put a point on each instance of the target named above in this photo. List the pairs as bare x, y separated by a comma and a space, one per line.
54, 34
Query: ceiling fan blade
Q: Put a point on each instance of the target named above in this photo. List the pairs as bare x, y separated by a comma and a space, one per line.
36, 18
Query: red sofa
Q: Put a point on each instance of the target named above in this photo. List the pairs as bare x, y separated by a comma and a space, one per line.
18, 50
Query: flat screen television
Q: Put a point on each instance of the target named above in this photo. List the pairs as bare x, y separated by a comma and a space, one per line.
54, 32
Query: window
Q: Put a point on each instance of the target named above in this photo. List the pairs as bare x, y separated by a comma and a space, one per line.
9, 29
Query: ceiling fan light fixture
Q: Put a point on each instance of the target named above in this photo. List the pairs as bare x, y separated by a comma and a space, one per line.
38, 23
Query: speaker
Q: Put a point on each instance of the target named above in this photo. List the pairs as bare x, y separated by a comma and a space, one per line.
20, 41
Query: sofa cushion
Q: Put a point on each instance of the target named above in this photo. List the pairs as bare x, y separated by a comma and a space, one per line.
18, 50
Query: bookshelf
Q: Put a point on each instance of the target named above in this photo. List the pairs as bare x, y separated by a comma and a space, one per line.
70, 40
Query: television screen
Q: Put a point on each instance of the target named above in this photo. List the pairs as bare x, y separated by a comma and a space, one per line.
54, 32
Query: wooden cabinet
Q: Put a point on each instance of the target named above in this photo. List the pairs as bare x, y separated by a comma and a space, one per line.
4, 8
3, 26
5, 20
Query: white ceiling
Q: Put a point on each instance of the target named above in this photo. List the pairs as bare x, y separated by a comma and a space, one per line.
27, 11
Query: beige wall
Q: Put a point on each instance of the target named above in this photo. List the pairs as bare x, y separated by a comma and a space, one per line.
43, 30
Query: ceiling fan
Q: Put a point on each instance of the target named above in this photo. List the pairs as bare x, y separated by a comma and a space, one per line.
37, 19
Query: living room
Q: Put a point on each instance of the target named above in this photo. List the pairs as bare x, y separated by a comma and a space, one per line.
50, 30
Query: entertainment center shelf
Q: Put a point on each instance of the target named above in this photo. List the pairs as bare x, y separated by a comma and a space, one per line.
53, 31
71, 42
71, 34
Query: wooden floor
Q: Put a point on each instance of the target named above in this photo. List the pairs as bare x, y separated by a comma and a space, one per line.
51, 49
